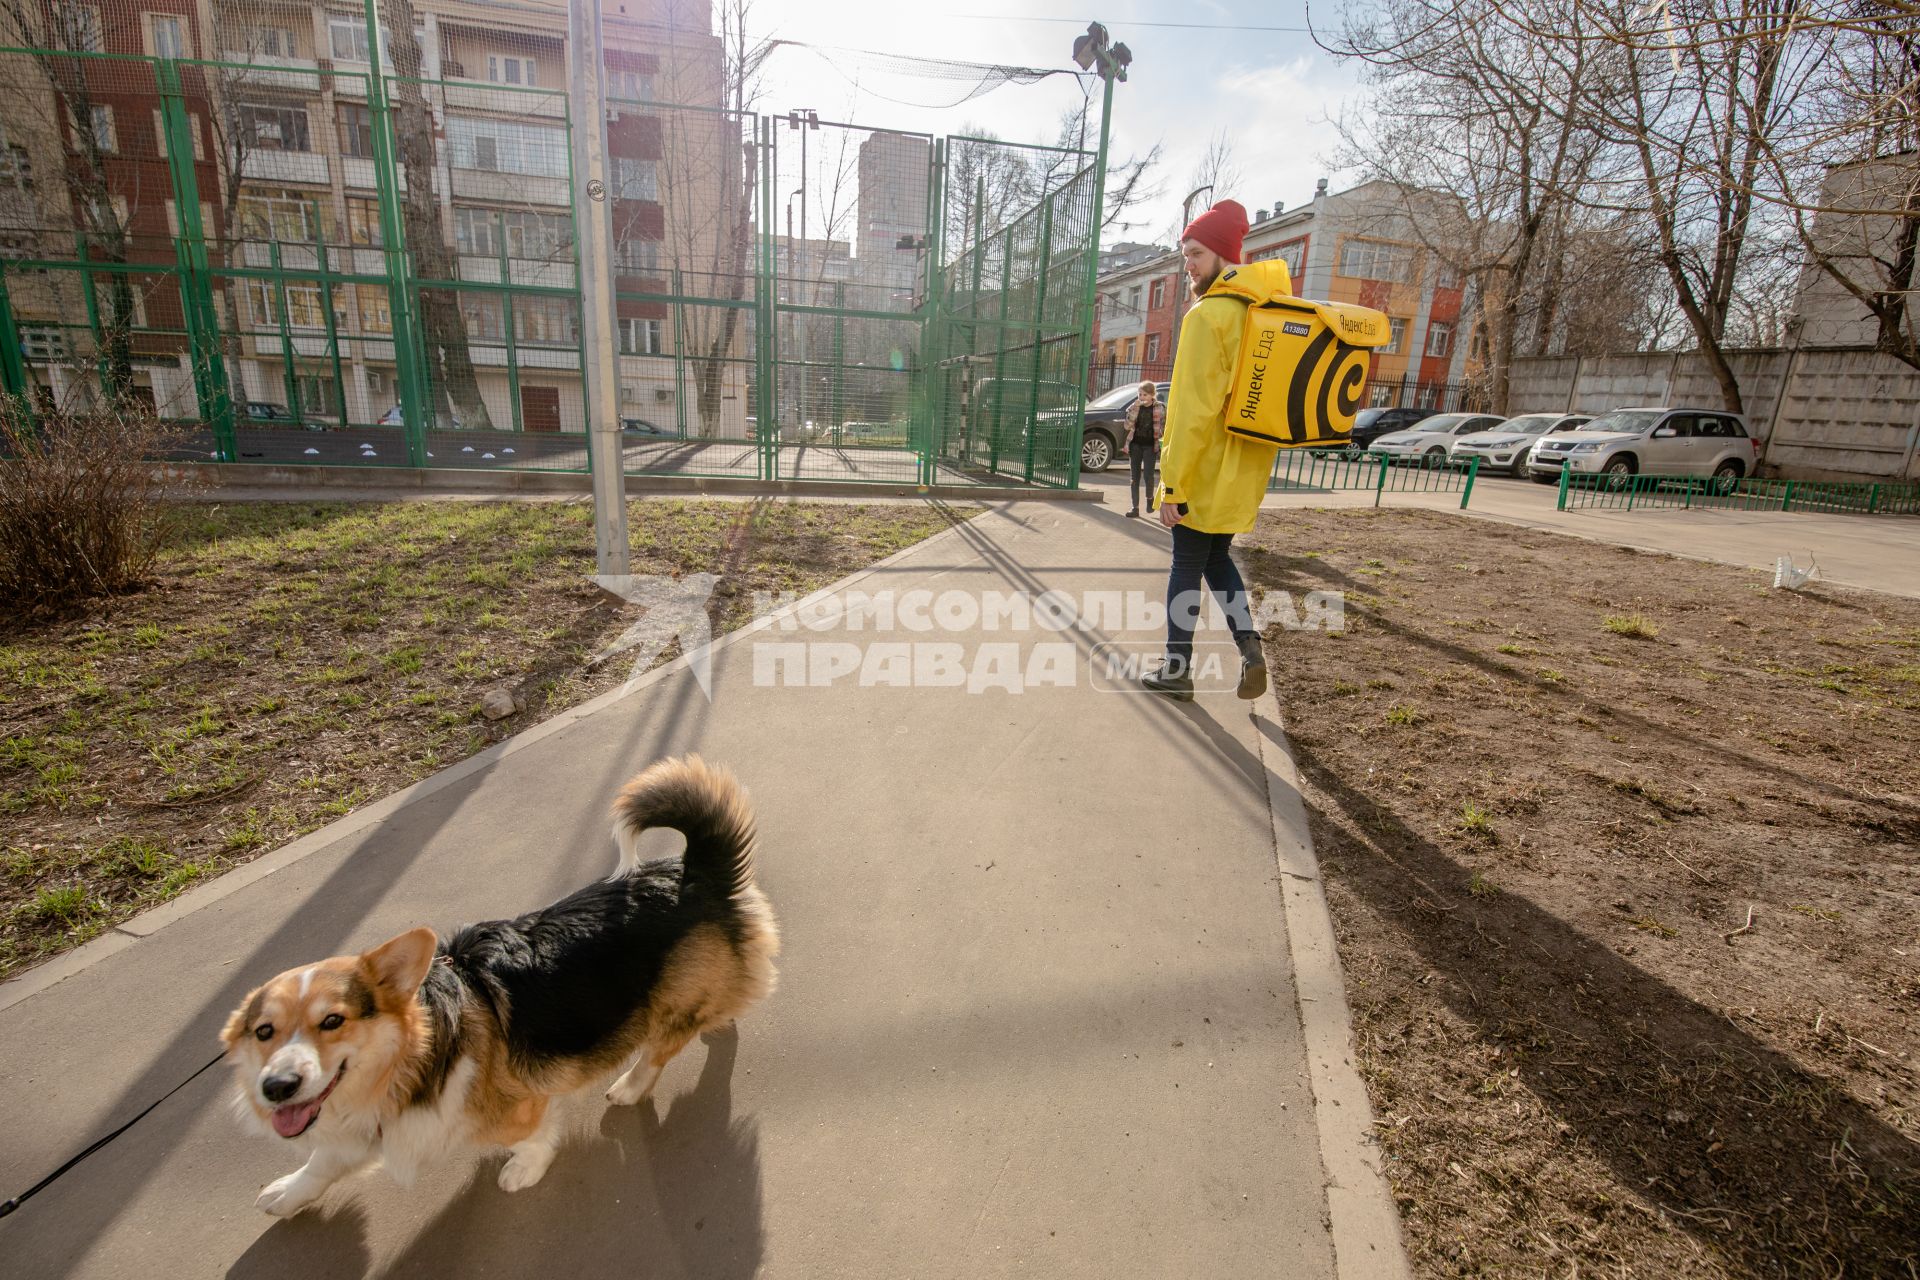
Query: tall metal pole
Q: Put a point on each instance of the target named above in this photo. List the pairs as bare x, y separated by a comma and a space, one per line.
1180, 290
599, 373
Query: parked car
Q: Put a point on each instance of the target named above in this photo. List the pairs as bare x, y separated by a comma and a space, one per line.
641, 427
1370, 424
1018, 397
263, 413
1655, 440
1505, 447
1429, 440
1105, 426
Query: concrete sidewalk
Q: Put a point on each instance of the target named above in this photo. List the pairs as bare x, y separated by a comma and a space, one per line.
1037, 1014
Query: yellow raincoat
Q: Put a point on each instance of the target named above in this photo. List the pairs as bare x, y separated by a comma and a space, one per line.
1220, 477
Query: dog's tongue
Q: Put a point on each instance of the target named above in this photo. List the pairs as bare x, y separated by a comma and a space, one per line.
292, 1121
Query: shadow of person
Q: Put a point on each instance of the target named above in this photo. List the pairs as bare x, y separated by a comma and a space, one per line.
315, 1246
1763, 1160
672, 1197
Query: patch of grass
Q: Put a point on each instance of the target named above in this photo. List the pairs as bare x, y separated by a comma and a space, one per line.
1479, 886
1635, 626
1647, 924
1345, 688
1380, 682
1813, 912
132, 856
1517, 650
1404, 715
67, 904
1476, 822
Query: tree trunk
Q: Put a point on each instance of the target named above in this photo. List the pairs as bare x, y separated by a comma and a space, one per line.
455, 389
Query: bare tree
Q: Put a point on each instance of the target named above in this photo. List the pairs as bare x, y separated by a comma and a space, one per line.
51, 33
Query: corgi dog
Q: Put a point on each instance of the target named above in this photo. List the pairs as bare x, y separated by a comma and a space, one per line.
423, 1046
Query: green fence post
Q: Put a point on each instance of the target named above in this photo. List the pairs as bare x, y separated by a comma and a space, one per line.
286, 329
1380, 486
766, 289
1039, 322
13, 365
1000, 350
1786, 496
1566, 475
93, 310
1873, 499
326, 308
506, 314
406, 326
196, 292
679, 356
1473, 470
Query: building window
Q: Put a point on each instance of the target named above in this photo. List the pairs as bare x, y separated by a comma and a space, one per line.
639, 337
103, 136
281, 217
277, 42
634, 86
349, 39
160, 135
303, 305
1445, 277
635, 179
639, 257
1128, 358
80, 28
363, 221
507, 146
545, 322
1153, 347
319, 395
1397, 337
371, 301
540, 236
1133, 299
1376, 260
16, 168
356, 130
1157, 296
274, 128
42, 344
1439, 338
510, 70
169, 35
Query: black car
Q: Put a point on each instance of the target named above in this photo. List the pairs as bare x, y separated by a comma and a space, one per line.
1371, 424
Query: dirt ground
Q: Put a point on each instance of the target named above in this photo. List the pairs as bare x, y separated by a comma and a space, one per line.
293, 661
1624, 855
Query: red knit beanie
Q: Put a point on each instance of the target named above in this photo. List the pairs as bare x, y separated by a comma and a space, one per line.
1221, 229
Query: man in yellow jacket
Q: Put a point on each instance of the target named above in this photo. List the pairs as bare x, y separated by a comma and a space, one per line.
1212, 482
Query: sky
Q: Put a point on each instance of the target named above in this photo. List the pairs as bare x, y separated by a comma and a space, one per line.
1272, 92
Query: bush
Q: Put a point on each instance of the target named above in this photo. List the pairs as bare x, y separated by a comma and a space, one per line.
81, 514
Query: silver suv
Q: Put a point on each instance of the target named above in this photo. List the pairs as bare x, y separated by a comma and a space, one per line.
1655, 441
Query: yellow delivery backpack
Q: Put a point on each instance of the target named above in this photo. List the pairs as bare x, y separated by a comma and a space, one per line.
1303, 367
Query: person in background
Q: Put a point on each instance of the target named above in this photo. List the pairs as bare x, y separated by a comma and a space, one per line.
1143, 441
1211, 482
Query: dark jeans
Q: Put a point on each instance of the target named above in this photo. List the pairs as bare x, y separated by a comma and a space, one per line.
1143, 459
1198, 556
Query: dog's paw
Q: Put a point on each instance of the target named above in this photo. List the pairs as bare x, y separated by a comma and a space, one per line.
523, 1169
287, 1196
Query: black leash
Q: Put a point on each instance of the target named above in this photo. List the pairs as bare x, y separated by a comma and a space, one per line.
9, 1206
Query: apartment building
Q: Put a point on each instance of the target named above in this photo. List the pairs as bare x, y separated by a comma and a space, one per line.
282, 132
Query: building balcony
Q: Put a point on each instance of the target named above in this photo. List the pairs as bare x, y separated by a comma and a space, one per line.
511, 188
507, 100
286, 166
528, 271
264, 72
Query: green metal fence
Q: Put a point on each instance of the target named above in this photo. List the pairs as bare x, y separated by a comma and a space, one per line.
314, 245
1721, 493
1330, 470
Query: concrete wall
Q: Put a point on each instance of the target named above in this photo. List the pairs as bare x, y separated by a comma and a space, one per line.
1823, 414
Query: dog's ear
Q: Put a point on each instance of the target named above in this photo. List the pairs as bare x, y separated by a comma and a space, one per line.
243, 1018
400, 964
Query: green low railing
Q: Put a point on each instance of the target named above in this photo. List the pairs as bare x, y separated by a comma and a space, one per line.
1327, 470
1725, 493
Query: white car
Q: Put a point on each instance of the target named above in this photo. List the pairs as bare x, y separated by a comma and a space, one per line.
1429, 439
1653, 440
1505, 447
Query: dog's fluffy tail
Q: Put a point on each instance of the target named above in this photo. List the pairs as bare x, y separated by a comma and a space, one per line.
703, 803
